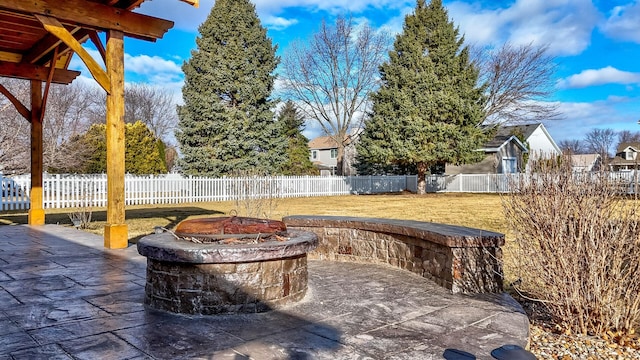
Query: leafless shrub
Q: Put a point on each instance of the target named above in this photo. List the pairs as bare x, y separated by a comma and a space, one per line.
80, 216
254, 195
577, 248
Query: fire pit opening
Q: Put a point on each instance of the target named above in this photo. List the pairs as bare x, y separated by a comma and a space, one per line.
226, 265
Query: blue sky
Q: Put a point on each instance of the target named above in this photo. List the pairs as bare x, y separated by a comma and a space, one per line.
597, 45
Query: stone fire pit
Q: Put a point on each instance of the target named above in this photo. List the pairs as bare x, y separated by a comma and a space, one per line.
226, 265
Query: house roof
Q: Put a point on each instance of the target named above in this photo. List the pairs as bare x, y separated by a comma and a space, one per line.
623, 146
584, 160
503, 136
323, 142
525, 129
505, 131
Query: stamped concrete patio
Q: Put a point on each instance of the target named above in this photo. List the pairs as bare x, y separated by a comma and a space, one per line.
63, 296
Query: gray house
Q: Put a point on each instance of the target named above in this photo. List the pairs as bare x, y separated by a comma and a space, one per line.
503, 155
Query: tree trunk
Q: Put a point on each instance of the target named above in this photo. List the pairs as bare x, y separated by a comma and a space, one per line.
422, 175
340, 159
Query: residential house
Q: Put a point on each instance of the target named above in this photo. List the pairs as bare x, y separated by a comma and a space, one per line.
323, 153
626, 158
538, 141
503, 155
585, 162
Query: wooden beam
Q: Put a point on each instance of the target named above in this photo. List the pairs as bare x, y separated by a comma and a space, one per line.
53, 26
36, 72
95, 39
36, 210
44, 47
94, 15
115, 232
194, 3
26, 113
47, 86
8, 56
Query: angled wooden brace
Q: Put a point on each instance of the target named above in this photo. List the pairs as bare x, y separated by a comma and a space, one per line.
26, 113
54, 27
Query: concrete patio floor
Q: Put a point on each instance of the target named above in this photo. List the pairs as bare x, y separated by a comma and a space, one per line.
63, 296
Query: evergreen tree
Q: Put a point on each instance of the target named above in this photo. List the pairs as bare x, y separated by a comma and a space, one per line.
226, 124
144, 153
292, 122
429, 107
95, 139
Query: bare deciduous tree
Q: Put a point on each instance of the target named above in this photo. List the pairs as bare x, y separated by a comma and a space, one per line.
628, 136
600, 141
14, 130
519, 83
152, 105
332, 75
65, 117
572, 146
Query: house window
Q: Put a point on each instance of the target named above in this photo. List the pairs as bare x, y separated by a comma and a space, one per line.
314, 154
509, 165
334, 153
629, 155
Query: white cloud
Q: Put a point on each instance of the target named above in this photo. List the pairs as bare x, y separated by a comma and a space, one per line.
152, 70
145, 64
278, 23
623, 22
564, 25
582, 117
270, 12
185, 17
331, 6
591, 77
142, 65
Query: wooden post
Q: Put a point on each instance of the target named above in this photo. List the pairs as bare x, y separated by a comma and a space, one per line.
115, 232
36, 209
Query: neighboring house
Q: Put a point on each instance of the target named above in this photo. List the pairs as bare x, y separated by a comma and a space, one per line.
504, 155
626, 158
324, 154
538, 141
586, 162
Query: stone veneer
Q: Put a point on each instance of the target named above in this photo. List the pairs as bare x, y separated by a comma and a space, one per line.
191, 278
461, 259
225, 288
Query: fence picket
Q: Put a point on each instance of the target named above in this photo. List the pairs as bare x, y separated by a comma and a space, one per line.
68, 191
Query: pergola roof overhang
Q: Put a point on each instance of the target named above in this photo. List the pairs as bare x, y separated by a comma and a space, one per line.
37, 40
33, 33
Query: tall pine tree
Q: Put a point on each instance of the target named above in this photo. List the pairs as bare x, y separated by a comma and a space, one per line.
226, 124
298, 162
429, 107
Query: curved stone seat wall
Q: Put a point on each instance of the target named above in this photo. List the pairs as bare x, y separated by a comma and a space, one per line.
461, 259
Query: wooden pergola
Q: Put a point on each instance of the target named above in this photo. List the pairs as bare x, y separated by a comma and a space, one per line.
37, 41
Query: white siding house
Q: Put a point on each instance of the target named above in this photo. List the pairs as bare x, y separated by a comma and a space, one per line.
323, 153
539, 142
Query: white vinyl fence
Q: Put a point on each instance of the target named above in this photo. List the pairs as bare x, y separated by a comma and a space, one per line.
68, 191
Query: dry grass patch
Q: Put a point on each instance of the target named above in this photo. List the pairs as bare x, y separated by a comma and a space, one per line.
482, 211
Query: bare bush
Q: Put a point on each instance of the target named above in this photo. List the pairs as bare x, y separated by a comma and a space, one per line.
254, 195
81, 215
577, 248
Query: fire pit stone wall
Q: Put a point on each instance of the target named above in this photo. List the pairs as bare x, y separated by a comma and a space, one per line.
461, 259
190, 278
